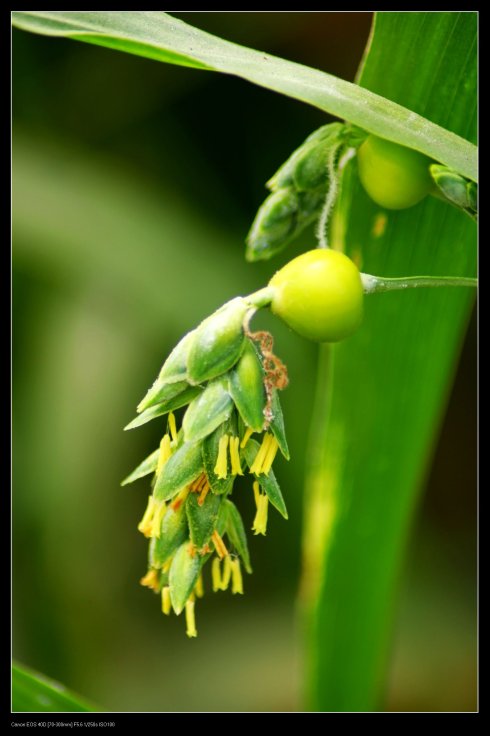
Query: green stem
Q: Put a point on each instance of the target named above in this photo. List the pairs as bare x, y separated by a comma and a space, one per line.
261, 298
373, 284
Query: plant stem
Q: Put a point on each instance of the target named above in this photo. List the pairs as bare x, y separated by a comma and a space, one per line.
332, 192
373, 284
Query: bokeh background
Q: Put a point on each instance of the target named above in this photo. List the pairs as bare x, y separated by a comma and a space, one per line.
134, 184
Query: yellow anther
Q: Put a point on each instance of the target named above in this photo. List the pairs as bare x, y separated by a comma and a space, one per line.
219, 545
249, 432
165, 452
271, 453
151, 580
172, 426
256, 466
216, 574
166, 602
260, 521
145, 524
236, 577
256, 488
180, 498
221, 467
190, 619
204, 492
159, 510
225, 579
236, 468
199, 587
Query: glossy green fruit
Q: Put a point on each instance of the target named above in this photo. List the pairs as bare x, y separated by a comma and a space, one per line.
395, 177
319, 295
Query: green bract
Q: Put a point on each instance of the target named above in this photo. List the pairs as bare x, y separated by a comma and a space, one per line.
319, 295
395, 177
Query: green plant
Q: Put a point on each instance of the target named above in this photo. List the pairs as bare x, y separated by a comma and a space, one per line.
347, 657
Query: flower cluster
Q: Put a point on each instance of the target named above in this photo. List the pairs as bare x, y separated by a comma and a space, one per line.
228, 377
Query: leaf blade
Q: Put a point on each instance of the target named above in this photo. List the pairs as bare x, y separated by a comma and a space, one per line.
150, 32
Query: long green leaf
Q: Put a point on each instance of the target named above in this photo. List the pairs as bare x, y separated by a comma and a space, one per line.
159, 36
381, 393
35, 693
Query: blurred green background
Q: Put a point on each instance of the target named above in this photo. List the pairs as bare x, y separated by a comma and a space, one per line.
134, 184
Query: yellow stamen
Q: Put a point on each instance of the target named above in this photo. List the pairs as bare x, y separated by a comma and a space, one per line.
256, 466
199, 587
145, 524
165, 452
180, 498
219, 545
216, 574
271, 453
166, 602
260, 521
256, 488
160, 508
190, 619
225, 580
236, 468
204, 492
221, 467
172, 426
150, 580
249, 432
236, 577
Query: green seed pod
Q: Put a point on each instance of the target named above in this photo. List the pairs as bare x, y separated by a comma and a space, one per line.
394, 176
202, 518
319, 295
218, 342
210, 409
184, 571
173, 533
179, 471
459, 191
173, 372
247, 388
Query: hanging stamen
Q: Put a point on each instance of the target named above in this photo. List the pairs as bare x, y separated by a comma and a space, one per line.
160, 508
225, 579
151, 580
166, 602
180, 498
236, 468
216, 574
260, 521
204, 492
165, 453
190, 618
236, 577
199, 587
221, 467
219, 545
248, 433
145, 524
256, 466
270, 455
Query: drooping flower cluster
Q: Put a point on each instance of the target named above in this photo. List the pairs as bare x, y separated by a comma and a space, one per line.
228, 377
